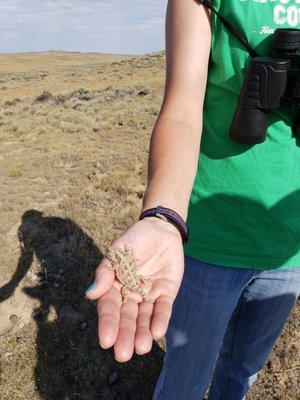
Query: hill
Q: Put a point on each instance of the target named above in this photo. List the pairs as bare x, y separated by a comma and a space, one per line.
74, 137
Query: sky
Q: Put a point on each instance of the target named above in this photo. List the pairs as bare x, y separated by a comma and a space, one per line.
106, 26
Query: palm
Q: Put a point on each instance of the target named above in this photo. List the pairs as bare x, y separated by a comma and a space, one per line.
157, 248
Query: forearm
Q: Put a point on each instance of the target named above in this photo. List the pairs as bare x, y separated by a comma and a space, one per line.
175, 142
172, 163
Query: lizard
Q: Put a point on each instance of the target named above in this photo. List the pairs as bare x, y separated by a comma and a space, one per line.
123, 263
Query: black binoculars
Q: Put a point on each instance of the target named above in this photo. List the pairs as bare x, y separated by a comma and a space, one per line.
270, 82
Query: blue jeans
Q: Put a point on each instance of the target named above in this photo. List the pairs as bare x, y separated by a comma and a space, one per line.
224, 322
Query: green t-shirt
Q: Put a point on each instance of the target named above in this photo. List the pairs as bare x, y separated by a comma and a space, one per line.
244, 210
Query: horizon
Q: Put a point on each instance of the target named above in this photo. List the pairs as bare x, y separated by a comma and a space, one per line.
79, 52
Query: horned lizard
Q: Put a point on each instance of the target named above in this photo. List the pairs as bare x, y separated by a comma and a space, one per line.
123, 263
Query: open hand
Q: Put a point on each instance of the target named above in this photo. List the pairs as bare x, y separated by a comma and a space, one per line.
157, 245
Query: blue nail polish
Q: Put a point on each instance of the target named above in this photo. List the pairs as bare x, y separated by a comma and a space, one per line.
91, 287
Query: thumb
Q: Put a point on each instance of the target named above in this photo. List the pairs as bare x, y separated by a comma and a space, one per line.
104, 279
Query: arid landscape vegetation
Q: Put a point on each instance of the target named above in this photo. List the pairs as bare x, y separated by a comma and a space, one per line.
74, 137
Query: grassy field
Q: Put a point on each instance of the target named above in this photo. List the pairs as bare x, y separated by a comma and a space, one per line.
74, 137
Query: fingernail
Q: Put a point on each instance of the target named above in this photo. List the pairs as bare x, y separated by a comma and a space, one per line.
91, 287
103, 347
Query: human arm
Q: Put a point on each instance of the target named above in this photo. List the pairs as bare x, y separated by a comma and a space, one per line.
173, 155
175, 141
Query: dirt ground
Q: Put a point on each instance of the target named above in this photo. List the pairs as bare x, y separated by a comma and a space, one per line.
74, 136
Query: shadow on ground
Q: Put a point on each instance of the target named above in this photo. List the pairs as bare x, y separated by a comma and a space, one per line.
70, 364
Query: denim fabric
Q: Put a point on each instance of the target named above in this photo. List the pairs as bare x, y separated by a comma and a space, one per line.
224, 324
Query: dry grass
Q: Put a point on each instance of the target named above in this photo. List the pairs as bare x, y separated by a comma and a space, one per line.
74, 136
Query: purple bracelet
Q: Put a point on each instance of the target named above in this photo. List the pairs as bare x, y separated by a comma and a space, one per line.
171, 216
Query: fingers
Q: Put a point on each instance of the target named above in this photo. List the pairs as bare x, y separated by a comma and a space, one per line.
108, 308
124, 345
161, 316
126, 326
143, 336
104, 279
131, 325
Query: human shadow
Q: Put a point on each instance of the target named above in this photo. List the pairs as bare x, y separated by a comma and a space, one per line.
70, 363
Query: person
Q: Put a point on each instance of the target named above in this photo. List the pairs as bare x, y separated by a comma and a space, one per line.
223, 297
